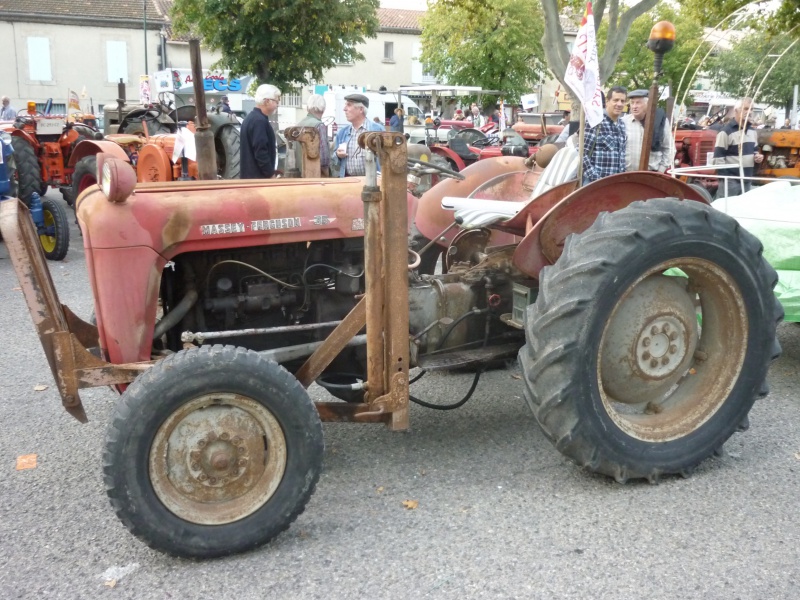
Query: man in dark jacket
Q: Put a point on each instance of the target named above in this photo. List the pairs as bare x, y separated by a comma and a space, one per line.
257, 143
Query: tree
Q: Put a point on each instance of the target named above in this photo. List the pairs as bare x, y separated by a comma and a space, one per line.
618, 25
494, 45
740, 70
634, 68
281, 41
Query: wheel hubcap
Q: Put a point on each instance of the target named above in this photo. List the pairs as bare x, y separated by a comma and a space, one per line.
661, 375
217, 459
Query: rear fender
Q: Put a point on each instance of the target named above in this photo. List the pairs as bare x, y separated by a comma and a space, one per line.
574, 212
91, 147
31, 139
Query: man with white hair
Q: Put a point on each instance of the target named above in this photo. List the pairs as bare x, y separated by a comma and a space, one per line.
661, 149
349, 157
258, 150
739, 132
7, 112
315, 107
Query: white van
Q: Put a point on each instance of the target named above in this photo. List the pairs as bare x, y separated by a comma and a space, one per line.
381, 105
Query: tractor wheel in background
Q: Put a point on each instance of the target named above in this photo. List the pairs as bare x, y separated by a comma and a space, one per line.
623, 371
68, 192
85, 175
153, 128
55, 238
227, 144
28, 172
702, 191
11, 166
213, 451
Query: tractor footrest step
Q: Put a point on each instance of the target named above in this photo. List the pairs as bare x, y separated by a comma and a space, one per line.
466, 358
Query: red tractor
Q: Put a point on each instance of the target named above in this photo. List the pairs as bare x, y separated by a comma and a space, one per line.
644, 322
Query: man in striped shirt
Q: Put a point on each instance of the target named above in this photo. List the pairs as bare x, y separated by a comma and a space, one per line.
737, 139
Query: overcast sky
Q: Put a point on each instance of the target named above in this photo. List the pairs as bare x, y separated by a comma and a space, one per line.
407, 4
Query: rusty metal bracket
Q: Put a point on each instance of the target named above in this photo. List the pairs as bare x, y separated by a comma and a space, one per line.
64, 336
308, 138
392, 286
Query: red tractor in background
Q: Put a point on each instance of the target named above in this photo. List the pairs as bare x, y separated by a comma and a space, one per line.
780, 147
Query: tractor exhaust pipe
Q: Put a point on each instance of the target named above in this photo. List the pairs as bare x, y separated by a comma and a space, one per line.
203, 137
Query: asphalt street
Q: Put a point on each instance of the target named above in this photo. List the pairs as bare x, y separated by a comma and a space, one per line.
501, 514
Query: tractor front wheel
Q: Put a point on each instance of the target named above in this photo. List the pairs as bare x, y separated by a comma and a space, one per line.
54, 236
28, 172
213, 451
650, 339
227, 145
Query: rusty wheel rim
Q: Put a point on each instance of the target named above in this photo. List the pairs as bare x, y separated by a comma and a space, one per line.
217, 459
672, 350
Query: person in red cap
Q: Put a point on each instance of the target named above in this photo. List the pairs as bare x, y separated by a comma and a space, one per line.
459, 116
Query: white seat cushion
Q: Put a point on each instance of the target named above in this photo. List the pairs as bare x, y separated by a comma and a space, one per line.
562, 168
476, 212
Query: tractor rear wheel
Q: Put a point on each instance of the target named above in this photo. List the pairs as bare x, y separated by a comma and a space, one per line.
85, 175
227, 145
213, 451
634, 373
28, 172
55, 237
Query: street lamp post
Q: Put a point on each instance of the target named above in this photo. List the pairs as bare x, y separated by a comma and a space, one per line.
662, 38
146, 72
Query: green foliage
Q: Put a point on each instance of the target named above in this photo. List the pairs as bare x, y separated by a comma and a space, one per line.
634, 68
280, 41
740, 71
494, 45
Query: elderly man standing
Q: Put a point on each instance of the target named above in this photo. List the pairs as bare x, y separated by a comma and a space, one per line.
739, 132
349, 157
315, 107
257, 142
7, 113
661, 150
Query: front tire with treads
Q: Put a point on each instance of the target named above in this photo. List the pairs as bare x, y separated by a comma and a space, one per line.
650, 339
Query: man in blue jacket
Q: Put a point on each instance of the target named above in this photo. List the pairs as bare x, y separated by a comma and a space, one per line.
348, 155
258, 151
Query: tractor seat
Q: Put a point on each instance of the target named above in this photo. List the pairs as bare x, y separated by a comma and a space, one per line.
460, 147
563, 167
472, 213
475, 212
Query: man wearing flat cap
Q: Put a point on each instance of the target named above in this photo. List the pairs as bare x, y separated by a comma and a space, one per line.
348, 160
661, 148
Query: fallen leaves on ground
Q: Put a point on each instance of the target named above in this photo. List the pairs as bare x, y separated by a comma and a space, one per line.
111, 583
410, 504
39, 388
26, 461
515, 376
380, 489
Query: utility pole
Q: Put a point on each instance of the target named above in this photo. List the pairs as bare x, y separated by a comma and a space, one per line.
144, 3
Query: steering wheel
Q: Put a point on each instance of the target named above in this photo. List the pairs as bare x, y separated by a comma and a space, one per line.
421, 167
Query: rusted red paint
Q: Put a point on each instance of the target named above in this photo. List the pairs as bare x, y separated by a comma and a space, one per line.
577, 211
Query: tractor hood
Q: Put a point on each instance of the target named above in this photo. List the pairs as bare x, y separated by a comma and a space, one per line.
191, 216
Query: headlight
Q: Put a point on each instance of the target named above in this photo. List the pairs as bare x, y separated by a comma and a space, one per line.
116, 177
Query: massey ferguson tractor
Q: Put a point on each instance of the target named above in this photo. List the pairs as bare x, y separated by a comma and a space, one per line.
644, 322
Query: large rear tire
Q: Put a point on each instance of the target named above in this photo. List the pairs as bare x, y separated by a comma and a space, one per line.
55, 237
227, 145
213, 451
634, 374
84, 176
28, 171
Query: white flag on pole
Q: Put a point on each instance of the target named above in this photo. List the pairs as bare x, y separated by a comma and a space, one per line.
583, 70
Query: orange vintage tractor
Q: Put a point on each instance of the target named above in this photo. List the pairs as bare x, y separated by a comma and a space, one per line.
152, 154
43, 145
